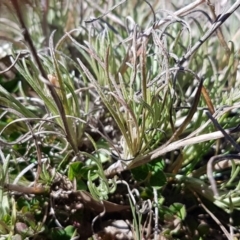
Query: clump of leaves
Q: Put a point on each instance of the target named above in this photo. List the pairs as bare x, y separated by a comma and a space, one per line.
162, 138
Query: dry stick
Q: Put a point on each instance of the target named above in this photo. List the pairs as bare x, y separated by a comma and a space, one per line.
219, 31
229, 138
218, 113
219, 21
213, 217
54, 94
152, 10
90, 203
105, 13
26, 190
156, 209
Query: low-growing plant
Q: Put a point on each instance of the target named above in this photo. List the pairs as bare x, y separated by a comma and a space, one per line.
137, 118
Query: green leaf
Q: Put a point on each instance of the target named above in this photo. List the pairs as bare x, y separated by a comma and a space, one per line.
79, 171
179, 209
141, 173
63, 234
75, 170
147, 193
69, 230
59, 234
158, 178
153, 172
158, 165
81, 185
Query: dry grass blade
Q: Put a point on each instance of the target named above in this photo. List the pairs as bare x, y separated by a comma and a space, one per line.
95, 19
219, 21
140, 160
219, 31
210, 163
208, 100
26, 190
229, 138
227, 234
12, 65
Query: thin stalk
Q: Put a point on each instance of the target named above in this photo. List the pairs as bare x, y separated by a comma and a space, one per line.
53, 92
